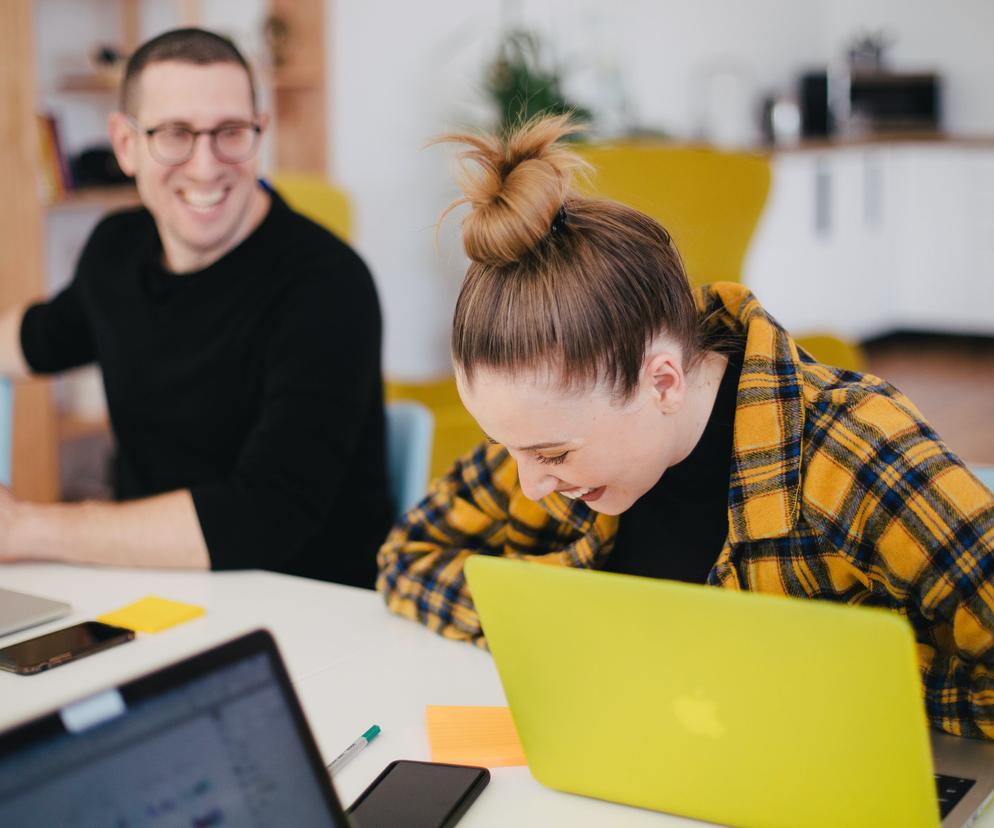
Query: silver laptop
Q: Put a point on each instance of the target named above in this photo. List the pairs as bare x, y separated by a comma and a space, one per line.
964, 778
19, 611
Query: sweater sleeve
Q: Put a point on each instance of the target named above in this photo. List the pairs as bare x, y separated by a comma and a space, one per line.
479, 508
421, 564
921, 527
322, 372
55, 335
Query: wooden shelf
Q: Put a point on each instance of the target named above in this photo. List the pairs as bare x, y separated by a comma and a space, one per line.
292, 79
75, 427
107, 198
100, 83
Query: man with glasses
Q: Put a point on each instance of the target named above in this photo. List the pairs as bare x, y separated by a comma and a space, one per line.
239, 345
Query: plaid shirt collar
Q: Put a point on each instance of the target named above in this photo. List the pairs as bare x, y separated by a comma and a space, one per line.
765, 485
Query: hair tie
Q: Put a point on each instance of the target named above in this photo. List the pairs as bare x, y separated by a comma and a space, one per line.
559, 220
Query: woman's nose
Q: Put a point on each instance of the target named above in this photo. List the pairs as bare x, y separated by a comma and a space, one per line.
535, 481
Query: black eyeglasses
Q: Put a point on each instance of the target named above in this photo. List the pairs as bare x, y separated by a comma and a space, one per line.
172, 144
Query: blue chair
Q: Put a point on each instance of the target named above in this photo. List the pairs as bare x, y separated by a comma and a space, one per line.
6, 428
409, 435
986, 475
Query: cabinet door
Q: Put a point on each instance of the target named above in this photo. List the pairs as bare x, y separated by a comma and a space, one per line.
859, 242
786, 263
945, 254
820, 261
930, 253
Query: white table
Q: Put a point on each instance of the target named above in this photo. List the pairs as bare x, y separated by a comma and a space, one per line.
352, 663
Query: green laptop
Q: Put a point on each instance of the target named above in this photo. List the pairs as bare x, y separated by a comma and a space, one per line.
731, 707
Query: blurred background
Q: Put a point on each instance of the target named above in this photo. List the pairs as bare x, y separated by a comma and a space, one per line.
837, 157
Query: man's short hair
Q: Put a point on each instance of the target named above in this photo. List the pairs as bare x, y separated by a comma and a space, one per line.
189, 45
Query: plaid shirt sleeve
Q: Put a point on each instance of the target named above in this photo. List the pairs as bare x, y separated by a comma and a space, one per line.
887, 494
477, 508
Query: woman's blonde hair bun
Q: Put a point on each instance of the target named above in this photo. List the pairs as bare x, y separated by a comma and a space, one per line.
516, 185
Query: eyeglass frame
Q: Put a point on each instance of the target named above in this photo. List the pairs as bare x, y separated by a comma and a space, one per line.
149, 133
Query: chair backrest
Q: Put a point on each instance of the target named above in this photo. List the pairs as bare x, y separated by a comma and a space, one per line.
832, 350
409, 433
314, 197
709, 200
455, 431
6, 428
986, 475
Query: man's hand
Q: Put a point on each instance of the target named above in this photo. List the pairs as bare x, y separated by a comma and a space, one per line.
8, 507
161, 531
12, 362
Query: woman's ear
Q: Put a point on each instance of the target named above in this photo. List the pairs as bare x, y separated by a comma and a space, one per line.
667, 384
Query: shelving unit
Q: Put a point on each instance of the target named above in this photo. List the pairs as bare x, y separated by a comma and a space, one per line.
97, 84
298, 94
35, 463
107, 198
73, 427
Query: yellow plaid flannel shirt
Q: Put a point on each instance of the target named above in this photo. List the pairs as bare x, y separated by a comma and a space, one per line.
839, 490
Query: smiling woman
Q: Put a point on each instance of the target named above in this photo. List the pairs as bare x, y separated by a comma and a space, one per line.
642, 427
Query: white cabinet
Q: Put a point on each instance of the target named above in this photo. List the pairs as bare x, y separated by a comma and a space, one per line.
859, 241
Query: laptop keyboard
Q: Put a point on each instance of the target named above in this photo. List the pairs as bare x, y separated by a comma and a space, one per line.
951, 790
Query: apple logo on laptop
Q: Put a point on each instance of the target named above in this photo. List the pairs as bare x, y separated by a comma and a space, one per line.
699, 715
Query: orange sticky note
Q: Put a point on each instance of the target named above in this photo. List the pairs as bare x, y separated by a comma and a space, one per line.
152, 614
473, 736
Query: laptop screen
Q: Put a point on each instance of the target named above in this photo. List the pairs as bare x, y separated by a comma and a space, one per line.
225, 745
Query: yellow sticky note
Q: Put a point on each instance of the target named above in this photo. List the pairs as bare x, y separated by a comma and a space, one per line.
473, 736
152, 614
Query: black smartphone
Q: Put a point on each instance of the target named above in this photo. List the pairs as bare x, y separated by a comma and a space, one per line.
418, 795
55, 648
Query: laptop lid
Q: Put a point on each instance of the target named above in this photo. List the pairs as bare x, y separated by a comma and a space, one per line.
731, 707
18, 610
217, 739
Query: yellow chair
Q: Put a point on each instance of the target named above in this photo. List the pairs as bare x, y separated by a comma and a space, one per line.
317, 199
710, 202
831, 350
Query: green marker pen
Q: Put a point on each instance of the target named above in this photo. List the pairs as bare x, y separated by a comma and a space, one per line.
343, 758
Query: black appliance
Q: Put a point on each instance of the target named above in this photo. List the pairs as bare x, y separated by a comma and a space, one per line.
879, 102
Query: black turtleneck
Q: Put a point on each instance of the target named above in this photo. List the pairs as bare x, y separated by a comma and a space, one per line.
677, 528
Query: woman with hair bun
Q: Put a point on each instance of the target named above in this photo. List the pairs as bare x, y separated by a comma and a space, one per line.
639, 426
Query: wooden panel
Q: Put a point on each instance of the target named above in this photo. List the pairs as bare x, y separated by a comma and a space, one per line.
35, 464
300, 95
130, 26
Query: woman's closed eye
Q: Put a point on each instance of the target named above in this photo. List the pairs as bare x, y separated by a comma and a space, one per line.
555, 461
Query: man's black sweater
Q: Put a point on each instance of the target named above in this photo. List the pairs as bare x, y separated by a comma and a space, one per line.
255, 383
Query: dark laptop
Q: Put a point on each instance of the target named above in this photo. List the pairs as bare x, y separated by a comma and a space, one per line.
218, 739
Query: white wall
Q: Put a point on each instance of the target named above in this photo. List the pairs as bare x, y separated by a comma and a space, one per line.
400, 75
666, 51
